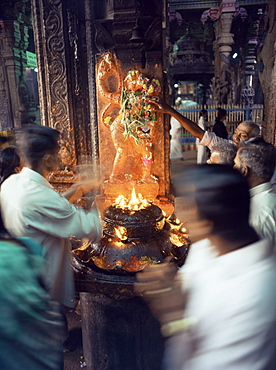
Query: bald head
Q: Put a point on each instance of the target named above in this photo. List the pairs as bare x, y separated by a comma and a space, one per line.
246, 130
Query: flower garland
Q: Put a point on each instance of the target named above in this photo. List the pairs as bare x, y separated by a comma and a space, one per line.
136, 112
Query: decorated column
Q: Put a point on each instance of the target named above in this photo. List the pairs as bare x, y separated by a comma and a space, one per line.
14, 93
222, 47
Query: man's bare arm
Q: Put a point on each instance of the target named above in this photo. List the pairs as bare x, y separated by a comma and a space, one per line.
189, 125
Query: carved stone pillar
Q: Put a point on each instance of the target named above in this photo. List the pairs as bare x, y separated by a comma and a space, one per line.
14, 94
222, 47
65, 72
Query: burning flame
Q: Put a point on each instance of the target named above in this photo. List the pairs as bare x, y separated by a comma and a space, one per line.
135, 203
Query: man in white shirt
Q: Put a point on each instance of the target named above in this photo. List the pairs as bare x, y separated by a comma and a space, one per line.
31, 207
218, 311
245, 130
256, 160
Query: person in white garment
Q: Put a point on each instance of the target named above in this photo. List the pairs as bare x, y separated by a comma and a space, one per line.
218, 311
176, 146
256, 160
245, 130
202, 150
31, 207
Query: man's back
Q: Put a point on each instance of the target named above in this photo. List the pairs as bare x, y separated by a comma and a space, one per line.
234, 309
30, 207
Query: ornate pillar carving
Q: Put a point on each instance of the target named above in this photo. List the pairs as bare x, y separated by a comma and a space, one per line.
63, 32
53, 82
222, 47
14, 93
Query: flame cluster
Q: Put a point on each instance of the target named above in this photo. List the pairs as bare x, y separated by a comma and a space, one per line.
135, 203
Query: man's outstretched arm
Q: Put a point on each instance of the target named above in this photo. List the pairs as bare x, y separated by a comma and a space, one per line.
189, 125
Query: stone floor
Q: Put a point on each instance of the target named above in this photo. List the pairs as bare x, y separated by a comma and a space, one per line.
73, 360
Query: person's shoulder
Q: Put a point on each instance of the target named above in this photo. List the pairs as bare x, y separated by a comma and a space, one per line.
209, 139
265, 191
10, 180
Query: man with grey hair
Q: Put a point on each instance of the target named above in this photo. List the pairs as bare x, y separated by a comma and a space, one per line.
245, 130
256, 160
223, 152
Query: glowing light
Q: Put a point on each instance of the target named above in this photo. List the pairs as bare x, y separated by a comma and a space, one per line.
121, 232
235, 55
135, 203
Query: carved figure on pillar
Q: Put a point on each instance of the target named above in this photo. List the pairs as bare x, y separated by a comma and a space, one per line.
248, 95
223, 87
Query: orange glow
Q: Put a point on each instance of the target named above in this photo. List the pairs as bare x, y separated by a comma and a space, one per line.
121, 232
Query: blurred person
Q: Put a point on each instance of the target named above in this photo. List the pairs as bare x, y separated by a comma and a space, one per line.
176, 146
223, 152
219, 127
31, 327
31, 207
218, 311
10, 162
202, 150
256, 160
244, 131
3, 141
273, 179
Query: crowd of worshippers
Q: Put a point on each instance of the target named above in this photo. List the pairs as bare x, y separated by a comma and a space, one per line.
216, 312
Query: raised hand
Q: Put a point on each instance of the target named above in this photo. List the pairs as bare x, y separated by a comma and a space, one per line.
160, 105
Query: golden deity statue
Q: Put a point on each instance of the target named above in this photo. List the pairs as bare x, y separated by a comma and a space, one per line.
130, 118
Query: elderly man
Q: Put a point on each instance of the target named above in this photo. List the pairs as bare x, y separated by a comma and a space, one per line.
245, 130
256, 160
31, 207
223, 152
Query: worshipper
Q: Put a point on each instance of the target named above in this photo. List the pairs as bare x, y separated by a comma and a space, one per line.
202, 150
10, 162
245, 130
31, 207
223, 152
218, 311
219, 127
31, 326
256, 160
176, 146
